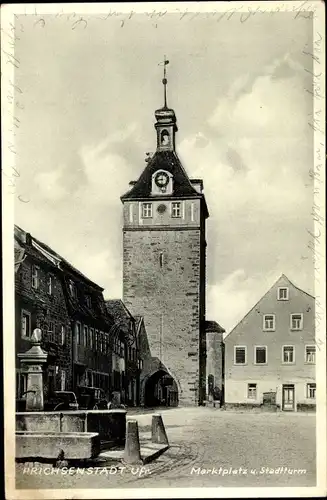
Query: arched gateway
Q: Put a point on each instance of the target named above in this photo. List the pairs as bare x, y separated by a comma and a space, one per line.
160, 389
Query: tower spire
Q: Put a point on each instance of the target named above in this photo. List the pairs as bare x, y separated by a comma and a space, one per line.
164, 80
166, 119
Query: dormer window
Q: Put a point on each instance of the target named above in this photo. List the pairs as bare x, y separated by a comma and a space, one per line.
72, 289
35, 277
49, 284
88, 301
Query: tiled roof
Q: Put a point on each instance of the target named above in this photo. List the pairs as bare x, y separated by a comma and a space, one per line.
138, 321
77, 305
166, 160
21, 232
68, 264
213, 326
119, 312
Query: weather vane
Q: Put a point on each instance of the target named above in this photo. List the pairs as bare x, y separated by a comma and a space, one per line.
164, 80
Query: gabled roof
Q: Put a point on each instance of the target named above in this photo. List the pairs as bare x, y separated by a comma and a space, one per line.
138, 322
282, 277
169, 161
53, 256
213, 327
120, 314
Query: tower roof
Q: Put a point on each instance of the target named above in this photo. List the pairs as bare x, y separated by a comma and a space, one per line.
165, 158
165, 115
169, 161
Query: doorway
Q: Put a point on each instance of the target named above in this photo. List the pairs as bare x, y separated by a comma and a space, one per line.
160, 390
288, 401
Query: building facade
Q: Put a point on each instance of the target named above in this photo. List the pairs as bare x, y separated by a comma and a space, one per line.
53, 295
164, 255
40, 303
270, 355
92, 344
127, 330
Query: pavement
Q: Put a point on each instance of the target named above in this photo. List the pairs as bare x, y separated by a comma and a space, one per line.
208, 448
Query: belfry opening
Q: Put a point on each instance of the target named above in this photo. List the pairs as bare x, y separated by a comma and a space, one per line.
160, 389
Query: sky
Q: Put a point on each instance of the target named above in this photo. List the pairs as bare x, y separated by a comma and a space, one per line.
241, 94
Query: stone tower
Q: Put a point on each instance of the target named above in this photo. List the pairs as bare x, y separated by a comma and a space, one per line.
164, 250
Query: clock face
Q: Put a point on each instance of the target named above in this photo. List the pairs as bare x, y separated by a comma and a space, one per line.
161, 179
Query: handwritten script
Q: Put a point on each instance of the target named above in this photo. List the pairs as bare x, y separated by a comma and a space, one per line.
316, 176
13, 107
243, 13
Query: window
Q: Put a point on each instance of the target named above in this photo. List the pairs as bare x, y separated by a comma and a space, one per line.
192, 212
146, 210
311, 391
72, 289
51, 332
176, 209
260, 355
239, 355
96, 340
35, 277
288, 354
89, 378
63, 334
252, 391
164, 138
49, 284
63, 380
100, 347
105, 343
88, 301
78, 333
91, 333
141, 364
161, 259
296, 321
269, 322
85, 335
282, 293
310, 354
26, 324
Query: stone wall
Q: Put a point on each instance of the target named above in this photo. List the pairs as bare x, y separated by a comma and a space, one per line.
168, 295
215, 358
109, 424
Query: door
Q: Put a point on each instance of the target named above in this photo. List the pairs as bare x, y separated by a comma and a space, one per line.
288, 397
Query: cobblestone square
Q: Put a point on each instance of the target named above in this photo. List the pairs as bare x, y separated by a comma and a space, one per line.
208, 448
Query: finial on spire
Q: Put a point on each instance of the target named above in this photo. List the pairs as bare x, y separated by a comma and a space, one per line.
164, 80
